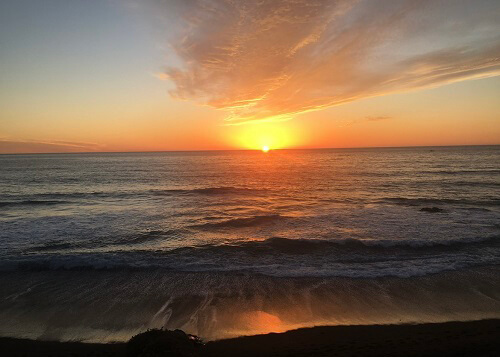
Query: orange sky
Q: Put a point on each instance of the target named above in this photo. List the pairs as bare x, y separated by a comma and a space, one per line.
128, 76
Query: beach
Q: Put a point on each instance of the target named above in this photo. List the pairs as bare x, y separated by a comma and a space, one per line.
478, 338
473, 338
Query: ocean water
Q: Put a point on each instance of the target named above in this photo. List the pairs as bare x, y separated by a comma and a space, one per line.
97, 247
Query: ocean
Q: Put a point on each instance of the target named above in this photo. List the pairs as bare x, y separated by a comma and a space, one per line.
100, 246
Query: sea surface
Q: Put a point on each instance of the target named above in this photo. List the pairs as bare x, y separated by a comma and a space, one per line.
100, 246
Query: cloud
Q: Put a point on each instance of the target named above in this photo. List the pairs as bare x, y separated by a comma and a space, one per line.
32, 146
364, 120
273, 59
161, 76
377, 118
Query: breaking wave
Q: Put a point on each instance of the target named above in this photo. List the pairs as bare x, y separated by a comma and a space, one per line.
305, 246
282, 257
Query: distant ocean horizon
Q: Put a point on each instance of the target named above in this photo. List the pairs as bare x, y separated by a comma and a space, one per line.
256, 149
222, 243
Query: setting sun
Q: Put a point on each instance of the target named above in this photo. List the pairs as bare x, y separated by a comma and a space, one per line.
258, 136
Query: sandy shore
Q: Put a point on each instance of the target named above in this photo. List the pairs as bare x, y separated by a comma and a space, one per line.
475, 338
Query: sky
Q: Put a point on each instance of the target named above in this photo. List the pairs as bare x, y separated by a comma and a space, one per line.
152, 75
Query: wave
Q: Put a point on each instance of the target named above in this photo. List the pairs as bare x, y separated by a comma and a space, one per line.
482, 184
51, 246
437, 201
148, 236
306, 246
54, 198
130, 240
209, 191
58, 197
32, 203
72, 194
55, 265
281, 257
242, 222
461, 172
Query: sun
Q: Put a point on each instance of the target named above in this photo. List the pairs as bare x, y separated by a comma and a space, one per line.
264, 137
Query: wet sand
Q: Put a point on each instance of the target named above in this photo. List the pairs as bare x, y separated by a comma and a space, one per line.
474, 338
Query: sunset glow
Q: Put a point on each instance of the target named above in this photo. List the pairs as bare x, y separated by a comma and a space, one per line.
257, 136
265, 148
302, 74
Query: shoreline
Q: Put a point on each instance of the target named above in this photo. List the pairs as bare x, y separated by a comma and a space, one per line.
469, 338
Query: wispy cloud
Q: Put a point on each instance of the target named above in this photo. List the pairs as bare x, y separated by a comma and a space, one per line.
43, 146
377, 118
364, 120
273, 59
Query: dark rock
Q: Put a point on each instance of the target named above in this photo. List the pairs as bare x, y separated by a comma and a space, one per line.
164, 343
431, 209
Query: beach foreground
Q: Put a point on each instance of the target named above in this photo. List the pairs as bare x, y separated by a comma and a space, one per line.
474, 338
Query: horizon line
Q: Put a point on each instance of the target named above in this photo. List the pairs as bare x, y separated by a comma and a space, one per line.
227, 150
